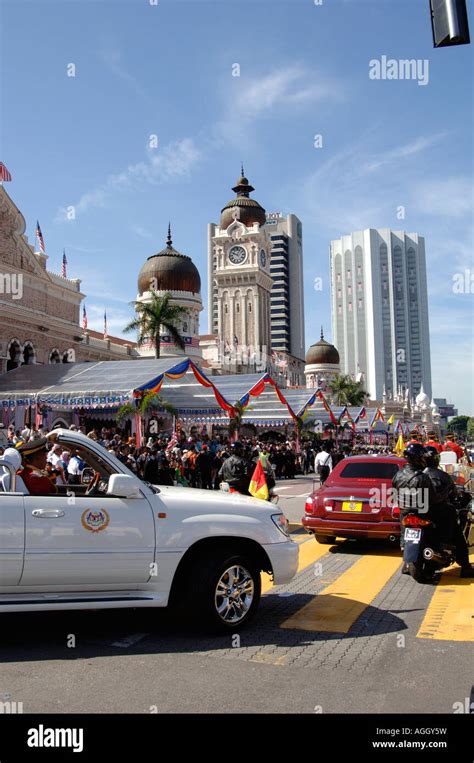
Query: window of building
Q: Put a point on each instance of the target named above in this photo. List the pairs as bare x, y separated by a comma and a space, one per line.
349, 306
339, 310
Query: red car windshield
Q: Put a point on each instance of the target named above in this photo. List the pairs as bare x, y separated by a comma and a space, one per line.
366, 470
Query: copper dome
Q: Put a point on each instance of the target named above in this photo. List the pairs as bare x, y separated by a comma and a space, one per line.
322, 353
169, 270
249, 210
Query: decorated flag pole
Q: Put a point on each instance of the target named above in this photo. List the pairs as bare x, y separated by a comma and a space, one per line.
64, 265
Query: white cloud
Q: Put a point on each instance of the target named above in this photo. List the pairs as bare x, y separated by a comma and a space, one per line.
283, 91
112, 57
445, 197
116, 320
175, 161
401, 152
139, 230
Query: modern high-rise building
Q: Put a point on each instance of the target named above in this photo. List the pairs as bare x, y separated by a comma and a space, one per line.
287, 297
379, 307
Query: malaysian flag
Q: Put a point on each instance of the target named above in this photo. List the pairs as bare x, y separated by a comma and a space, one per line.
4, 174
84, 317
63, 268
105, 325
39, 236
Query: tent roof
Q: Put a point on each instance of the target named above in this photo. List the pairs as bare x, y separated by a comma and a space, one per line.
106, 377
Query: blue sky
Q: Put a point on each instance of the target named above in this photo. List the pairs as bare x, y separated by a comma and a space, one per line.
166, 70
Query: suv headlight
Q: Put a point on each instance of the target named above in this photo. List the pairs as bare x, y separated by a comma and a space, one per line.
282, 523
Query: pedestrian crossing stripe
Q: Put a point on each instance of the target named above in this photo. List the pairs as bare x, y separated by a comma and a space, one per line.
450, 614
337, 607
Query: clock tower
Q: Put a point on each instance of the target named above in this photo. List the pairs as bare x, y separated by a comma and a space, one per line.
240, 282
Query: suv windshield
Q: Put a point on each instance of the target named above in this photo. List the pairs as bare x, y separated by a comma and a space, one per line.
369, 470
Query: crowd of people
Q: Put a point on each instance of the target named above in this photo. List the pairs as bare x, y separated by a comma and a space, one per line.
197, 460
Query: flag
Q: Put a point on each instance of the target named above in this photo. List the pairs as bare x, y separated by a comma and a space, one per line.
361, 415
377, 415
391, 419
39, 236
105, 325
400, 446
4, 174
84, 317
63, 269
258, 484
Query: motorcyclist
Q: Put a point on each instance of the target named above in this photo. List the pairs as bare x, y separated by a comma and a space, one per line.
443, 511
413, 488
237, 470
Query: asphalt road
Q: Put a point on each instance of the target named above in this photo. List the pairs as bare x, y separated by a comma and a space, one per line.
349, 634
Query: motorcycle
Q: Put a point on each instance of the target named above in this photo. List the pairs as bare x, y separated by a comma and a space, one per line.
425, 552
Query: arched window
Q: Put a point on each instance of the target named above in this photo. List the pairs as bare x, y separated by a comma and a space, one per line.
29, 354
13, 355
54, 356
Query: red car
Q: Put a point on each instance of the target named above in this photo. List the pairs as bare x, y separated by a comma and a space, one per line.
356, 501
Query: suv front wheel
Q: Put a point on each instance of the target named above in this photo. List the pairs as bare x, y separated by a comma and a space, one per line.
224, 593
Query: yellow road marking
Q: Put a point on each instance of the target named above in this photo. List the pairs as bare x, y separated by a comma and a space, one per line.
450, 614
339, 605
310, 550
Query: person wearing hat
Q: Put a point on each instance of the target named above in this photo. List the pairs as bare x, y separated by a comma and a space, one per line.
12, 457
451, 444
433, 442
34, 457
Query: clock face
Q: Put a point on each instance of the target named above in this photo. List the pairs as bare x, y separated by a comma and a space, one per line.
237, 255
263, 257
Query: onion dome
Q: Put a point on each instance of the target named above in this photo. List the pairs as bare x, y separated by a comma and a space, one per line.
322, 353
169, 270
422, 399
249, 210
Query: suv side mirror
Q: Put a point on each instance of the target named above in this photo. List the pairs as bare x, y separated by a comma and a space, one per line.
124, 486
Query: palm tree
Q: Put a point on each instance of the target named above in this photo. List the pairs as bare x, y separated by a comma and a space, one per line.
236, 420
345, 391
154, 314
149, 401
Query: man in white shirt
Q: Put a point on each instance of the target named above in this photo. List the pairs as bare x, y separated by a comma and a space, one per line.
323, 463
75, 468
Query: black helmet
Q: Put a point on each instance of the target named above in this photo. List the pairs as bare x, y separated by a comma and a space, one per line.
415, 454
432, 456
237, 447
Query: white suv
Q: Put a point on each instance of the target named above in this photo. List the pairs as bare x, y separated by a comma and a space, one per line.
117, 541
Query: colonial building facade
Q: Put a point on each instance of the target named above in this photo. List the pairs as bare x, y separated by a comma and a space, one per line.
39, 310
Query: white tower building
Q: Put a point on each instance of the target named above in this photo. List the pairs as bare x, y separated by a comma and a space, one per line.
380, 309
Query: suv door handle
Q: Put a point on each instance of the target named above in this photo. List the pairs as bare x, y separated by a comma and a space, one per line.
48, 513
